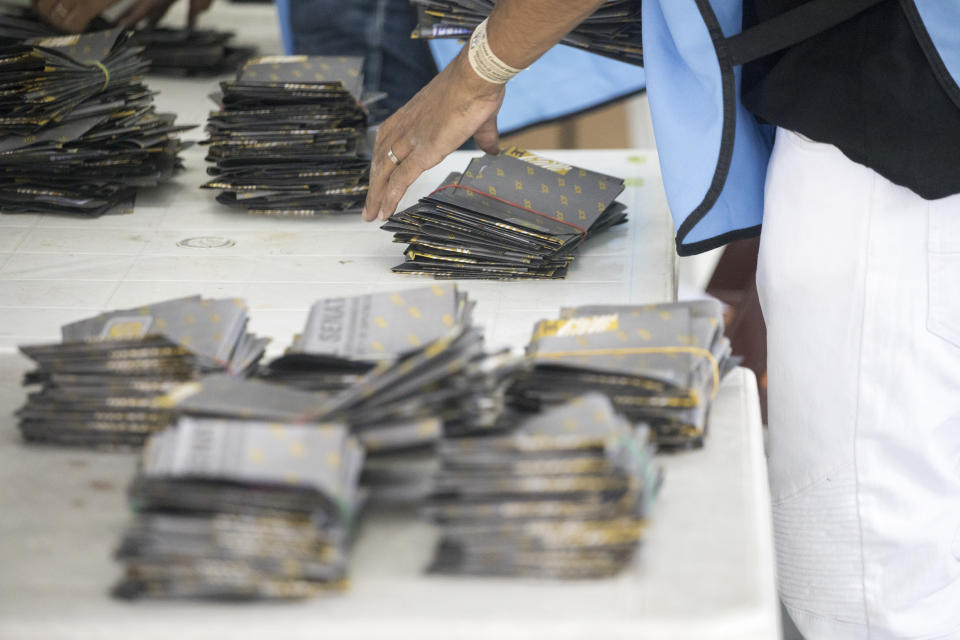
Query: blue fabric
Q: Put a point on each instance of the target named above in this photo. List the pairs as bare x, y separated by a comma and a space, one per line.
564, 81
942, 20
686, 103
286, 29
740, 204
684, 89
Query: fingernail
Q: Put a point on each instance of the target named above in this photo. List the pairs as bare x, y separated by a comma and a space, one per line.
382, 215
363, 214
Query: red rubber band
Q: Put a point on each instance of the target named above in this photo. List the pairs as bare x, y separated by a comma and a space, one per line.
512, 204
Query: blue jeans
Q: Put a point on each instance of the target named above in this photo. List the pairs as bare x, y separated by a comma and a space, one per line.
380, 31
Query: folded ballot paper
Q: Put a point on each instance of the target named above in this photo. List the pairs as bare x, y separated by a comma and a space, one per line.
563, 494
613, 30
509, 216
78, 130
241, 510
346, 337
401, 369
659, 364
289, 137
102, 385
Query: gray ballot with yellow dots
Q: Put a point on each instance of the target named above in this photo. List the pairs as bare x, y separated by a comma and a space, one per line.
563, 494
507, 216
660, 364
103, 385
228, 509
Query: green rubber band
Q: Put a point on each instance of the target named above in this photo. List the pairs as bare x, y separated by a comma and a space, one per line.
106, 72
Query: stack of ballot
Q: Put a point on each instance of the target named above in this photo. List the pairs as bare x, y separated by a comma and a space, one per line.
102, 385
78, 130
660, 364
393, 355
507, 216
289, 137
189, 52
398, 434
344, 338
564, 494
401, 369
233, 510
612, 31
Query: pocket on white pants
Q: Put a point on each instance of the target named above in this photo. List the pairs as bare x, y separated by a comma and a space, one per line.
943, 264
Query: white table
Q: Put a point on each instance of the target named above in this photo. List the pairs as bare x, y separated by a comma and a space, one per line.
705, 571
55, 269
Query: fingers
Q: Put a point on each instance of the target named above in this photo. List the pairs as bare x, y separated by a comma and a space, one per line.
487, 137
199, 6
70, 16
400, 180
196, 8
381, 166
152, 10
134, 14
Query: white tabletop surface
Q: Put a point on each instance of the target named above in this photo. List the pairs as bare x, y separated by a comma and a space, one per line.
56, 269
705, 570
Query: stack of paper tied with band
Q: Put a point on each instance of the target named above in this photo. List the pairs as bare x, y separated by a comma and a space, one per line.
234, 510
189, 52
660, 364
78, 129
565, 494
612, 31
289, 137
103, 384
507, 216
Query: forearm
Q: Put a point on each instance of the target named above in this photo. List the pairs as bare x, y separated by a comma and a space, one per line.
520, 31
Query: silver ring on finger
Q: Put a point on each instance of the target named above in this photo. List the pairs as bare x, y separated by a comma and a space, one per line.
393, 157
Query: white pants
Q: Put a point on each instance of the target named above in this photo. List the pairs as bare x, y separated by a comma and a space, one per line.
859, 281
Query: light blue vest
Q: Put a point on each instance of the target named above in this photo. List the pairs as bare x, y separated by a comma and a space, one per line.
713, 152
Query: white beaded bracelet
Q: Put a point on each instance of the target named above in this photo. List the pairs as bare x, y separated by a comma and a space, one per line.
484, 61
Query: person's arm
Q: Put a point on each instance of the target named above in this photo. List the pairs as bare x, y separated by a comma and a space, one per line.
73, 16
153, 11
458, 103
70, 16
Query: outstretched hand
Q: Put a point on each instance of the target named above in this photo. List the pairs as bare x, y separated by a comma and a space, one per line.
73, 16
153, 11
70, 16
456, 105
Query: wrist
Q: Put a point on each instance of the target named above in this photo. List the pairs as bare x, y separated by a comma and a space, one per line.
472, 82
484, 61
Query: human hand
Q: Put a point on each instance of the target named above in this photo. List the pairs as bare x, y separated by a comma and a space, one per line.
153, 11
455, 105
70, 16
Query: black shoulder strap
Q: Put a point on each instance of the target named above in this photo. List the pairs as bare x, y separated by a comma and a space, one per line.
792, 27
